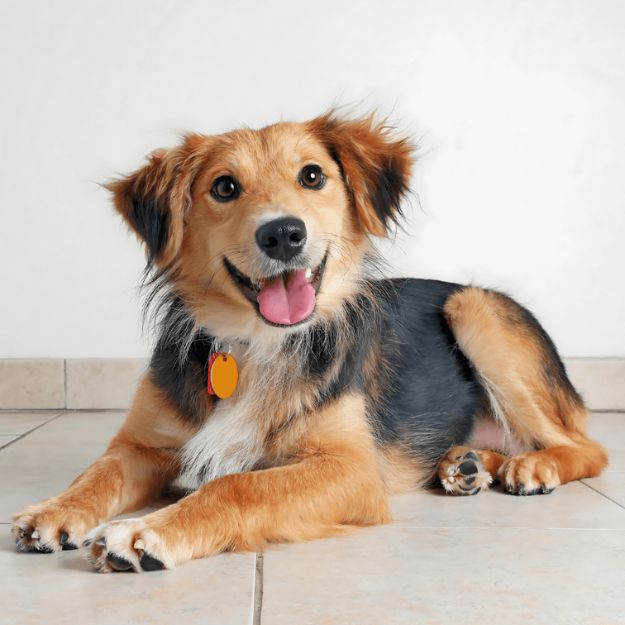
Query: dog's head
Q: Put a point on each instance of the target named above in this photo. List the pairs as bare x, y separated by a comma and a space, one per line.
263, 231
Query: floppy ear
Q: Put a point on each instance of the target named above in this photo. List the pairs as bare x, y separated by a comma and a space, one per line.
375, 166
154, 200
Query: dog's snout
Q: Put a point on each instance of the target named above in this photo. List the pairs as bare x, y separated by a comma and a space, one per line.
282, 238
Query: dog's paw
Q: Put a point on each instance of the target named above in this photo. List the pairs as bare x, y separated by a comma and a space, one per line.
51, 526
531, 473
127, 545
462, 473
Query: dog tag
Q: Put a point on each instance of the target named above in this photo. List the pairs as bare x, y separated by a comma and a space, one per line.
223, 375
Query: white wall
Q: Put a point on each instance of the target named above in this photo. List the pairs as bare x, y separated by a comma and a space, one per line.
520, 107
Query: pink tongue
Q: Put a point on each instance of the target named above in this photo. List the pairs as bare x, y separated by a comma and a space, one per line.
290, 303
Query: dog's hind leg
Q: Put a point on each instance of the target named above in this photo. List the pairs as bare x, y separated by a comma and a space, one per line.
529, 392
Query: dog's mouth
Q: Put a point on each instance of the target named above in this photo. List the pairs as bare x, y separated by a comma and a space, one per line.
283, 300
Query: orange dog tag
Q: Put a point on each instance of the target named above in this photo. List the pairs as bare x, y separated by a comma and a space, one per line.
223, 375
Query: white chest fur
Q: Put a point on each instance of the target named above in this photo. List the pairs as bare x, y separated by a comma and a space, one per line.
229, 442
232, 439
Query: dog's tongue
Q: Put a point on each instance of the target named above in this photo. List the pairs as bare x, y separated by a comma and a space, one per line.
287, 301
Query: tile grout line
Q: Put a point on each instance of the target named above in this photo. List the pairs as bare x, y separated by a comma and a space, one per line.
527, 528
257, 593
66, 410
65, 382
21, 436
603, 494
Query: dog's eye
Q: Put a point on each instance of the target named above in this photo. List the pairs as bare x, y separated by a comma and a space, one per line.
225, 189
311, 177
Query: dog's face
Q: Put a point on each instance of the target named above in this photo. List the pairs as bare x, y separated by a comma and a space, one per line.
264, 231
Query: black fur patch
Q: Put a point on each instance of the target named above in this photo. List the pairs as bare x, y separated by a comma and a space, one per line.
322, 350
359, 341
151, 221
430, 391
183, 376
386, 197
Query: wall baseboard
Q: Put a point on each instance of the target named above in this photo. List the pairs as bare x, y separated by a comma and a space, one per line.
109, 383
74, 383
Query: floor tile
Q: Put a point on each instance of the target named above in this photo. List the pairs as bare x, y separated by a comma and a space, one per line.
609, 429
7, 439
60, 588
17, 423
403, 576
47, 460
611, 484
570, 506
215, 590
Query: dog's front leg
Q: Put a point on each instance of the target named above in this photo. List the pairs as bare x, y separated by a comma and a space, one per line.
138, 463
332, 481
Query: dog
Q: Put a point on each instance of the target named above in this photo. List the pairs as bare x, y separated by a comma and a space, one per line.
291, 389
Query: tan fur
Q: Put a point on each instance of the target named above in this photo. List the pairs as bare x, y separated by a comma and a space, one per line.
401, 472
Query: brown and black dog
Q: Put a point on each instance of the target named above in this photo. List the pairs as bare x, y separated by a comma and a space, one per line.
350, 387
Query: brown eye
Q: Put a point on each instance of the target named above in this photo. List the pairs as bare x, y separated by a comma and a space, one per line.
311, 177
225, 189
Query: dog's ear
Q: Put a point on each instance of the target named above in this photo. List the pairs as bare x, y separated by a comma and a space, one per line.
375, 166
154, 199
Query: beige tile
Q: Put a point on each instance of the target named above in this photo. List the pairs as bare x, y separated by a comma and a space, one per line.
17, 423
47, 460
7, 439
49, 587
96, 383
609, 429
403, 576
570, 506
611, 484
31, 384
601, 381
59, 588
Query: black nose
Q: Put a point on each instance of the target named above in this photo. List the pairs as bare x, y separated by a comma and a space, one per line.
282, 238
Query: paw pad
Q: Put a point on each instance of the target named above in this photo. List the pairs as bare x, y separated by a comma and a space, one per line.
464, 475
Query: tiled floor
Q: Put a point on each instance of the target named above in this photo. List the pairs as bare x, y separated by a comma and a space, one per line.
491, 559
